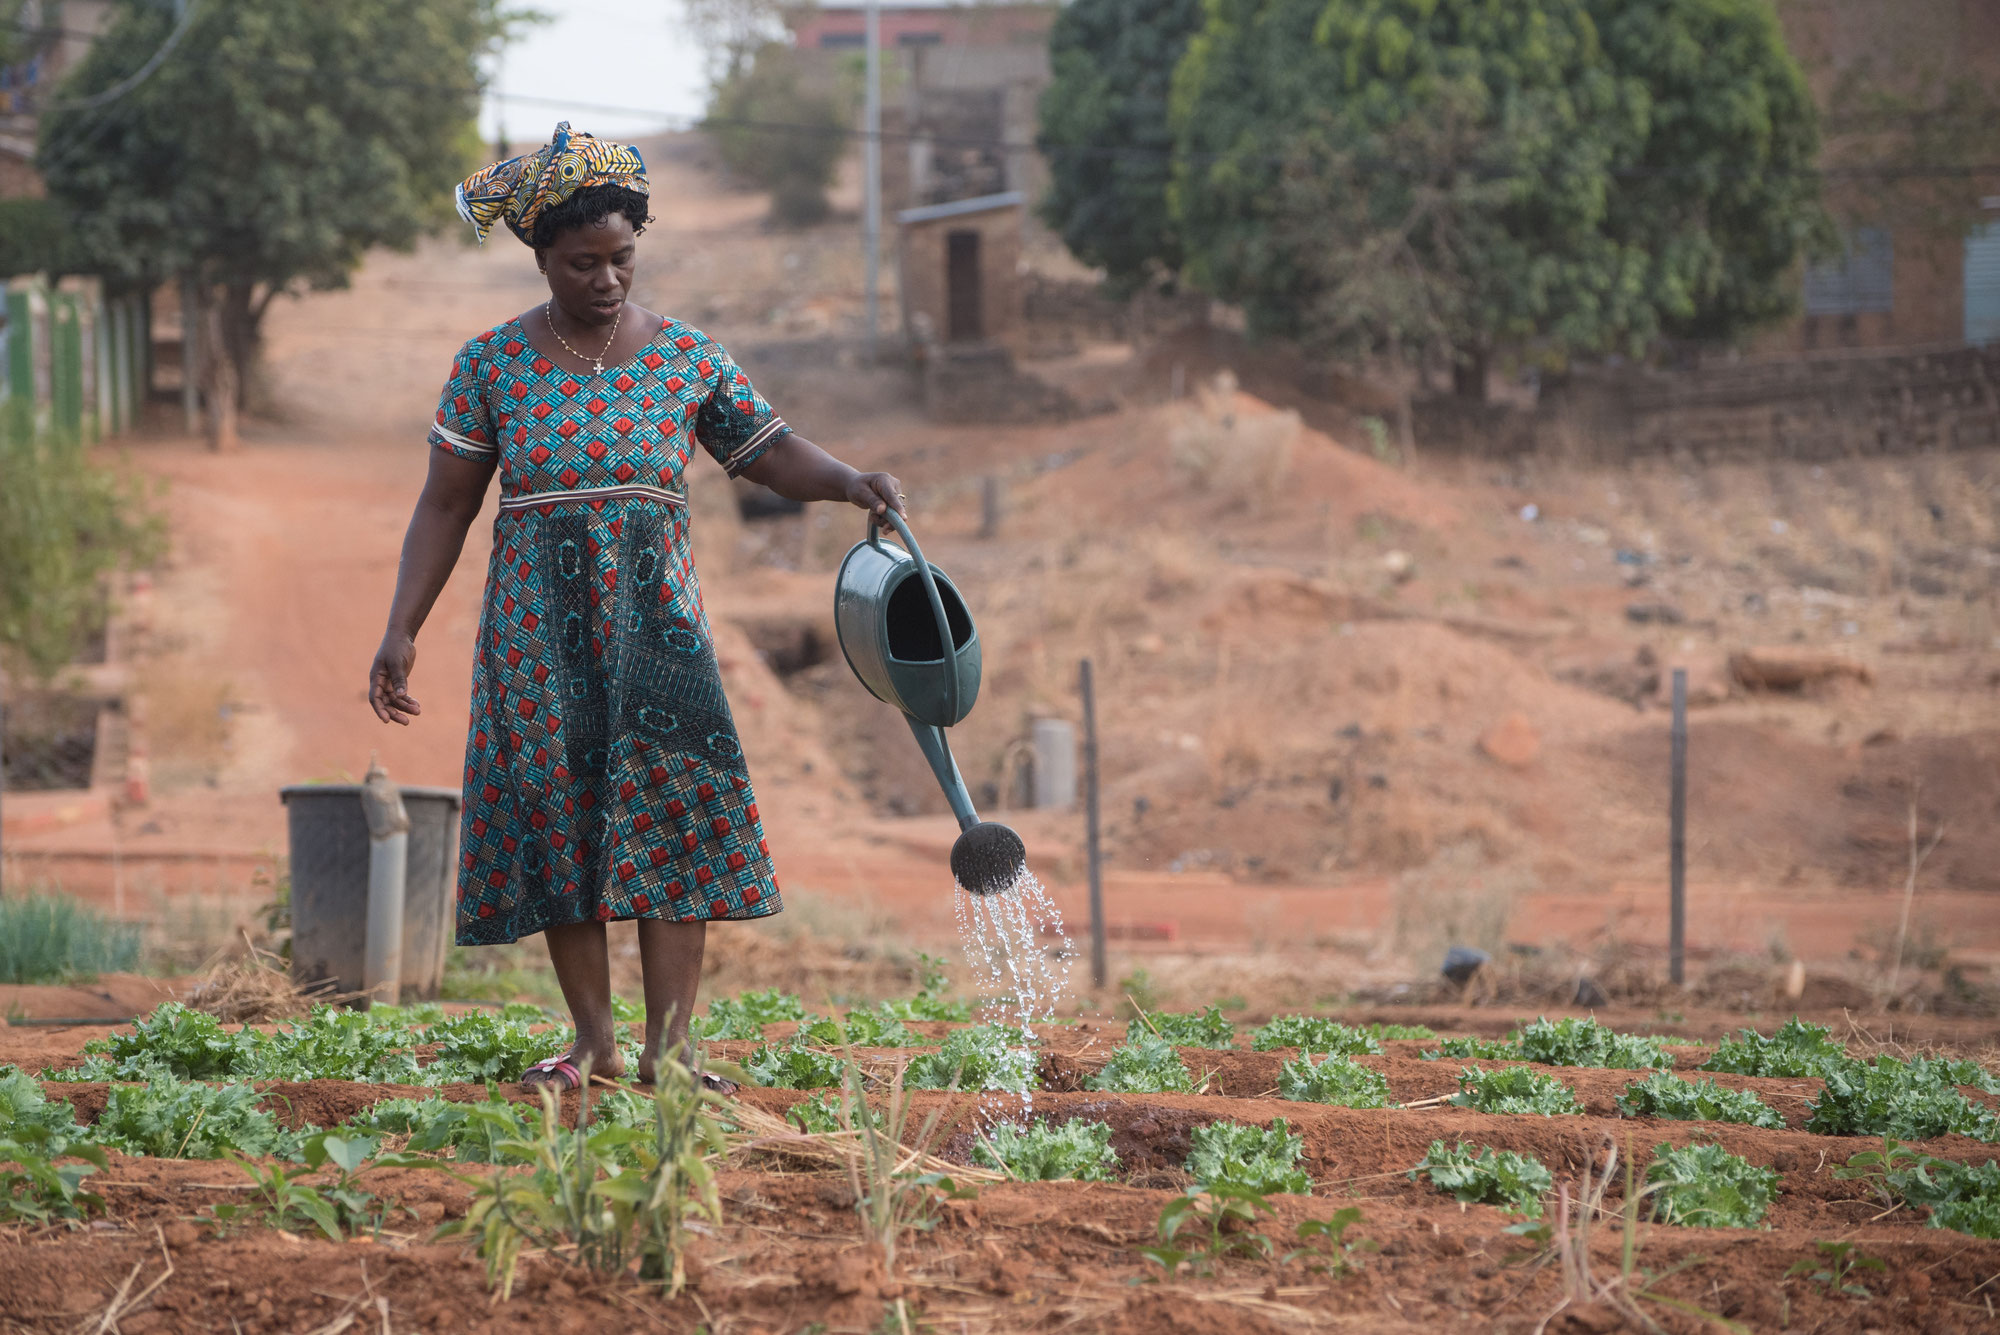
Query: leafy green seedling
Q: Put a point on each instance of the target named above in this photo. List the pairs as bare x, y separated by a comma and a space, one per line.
1705, 1186
34, 1188
983, 1057
23, 1105
173, 1119
1313, 1033
1044, 1153
1834, 1270
1470, 1048
1323, 1244
794, 1065
1913, 1100
1258, 1160
744, 1017
1960, 1196
1489, 1177
1337, 1080
1225, 1216
1668, 1096
1386, 1033
1515, 1089
820, 1115
1585, 1042
1143, 1065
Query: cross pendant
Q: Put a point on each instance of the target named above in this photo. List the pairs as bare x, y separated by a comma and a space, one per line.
598, 368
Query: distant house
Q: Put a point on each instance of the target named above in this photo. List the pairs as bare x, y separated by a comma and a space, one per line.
1920, 256
962, 84
52, 36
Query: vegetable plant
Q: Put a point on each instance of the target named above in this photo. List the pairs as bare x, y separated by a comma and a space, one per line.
1314, 1033
1253, 1158
34, 1189
794, 1065
1705, 1186
175, 1119
1323, 1244
1143, 1065
24, 1106
1470, 1048
744, 1017
1668, 1096
1514, 1089
1913, 1100
1796, 1049
1488, 1177
1960, 1196
984, 1057
1224, 1215
1585, 1042
1834, 1270
1045, 1153
1337, 1080
1190, 1029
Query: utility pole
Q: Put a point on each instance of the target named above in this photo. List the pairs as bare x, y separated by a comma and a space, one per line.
871, 175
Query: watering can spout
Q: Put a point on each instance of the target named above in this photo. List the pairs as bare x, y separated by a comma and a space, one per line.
988, 856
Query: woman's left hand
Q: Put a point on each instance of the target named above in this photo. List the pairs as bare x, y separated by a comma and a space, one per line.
878, 493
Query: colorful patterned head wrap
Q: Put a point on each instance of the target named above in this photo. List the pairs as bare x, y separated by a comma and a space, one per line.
518, 190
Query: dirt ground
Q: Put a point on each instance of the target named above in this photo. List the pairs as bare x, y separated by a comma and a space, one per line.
1354, 707
1057, 1256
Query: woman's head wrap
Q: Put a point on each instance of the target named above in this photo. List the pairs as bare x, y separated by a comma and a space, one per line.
518, 190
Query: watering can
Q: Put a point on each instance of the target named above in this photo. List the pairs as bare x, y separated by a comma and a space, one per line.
907, 635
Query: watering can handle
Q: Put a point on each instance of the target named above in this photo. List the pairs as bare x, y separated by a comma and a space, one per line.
930, 587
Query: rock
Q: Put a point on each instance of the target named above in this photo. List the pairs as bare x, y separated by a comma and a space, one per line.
1654, 614
1512, 742
1790, 668
1461, 962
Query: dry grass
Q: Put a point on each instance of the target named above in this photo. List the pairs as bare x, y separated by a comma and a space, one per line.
1455, 899
254, 989
1243, 459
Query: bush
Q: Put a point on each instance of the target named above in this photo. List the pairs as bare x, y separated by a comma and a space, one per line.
1186, 1029
1663, 1095
774, 126
1264, 1162
64, 525
1337, 1080
1796, 1050
55, 939
1490, 1177
1705, 1186
1514, 1089
1144, 1065
1044, 1153
1311, 1033
1585, 1042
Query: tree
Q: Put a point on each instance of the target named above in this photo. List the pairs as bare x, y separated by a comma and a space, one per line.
275, 146
784, 127
1105, 136
1279, 104
1721, 194
732, 32
1558, 178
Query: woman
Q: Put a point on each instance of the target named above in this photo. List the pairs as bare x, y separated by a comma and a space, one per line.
603, 779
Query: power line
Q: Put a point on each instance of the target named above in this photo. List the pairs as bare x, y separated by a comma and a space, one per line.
125, 85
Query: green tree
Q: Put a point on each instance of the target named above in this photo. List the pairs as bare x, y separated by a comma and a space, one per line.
1478, 135
269, 152
1105, 136
783, 124
1721, 194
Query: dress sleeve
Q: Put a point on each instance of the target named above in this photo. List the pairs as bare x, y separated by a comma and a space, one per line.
735, 424
463, 425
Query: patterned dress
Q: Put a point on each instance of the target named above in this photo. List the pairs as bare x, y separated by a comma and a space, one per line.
603, 779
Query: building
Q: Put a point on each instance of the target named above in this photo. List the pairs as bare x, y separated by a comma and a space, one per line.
1914, 86
962, 87
53, 36
957, 270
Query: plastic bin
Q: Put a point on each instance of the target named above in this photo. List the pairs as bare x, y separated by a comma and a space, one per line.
329, 864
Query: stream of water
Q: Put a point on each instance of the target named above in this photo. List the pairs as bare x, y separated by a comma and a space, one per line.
1019, 955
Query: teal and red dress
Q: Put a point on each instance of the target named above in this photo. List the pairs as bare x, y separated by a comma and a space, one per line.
603, 778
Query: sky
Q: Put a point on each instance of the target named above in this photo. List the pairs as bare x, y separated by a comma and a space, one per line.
596, 54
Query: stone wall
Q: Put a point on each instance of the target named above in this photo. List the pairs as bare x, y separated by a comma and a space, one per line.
1825, 407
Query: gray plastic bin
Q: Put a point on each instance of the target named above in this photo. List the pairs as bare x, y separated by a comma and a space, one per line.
329, 862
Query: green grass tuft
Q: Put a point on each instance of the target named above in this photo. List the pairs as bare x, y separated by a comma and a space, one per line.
54, 939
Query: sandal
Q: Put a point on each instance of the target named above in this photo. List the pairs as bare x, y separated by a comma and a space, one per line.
558, 1071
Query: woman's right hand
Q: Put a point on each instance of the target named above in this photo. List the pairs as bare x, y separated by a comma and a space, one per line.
389, 680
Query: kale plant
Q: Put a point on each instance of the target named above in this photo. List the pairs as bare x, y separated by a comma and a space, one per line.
794, 1065
172, 1119
1264, 1162
1585, 1042
1337, 1080
1960, 1196
28, 1118
174, 1041
744, 1017
1044, 1153
1470, 1048
1913, 1100
1796, 1050
1514, 1089
1189, 1029
1313, 1033
1385, 1033
1705, 1186
983, 1057
1663, 1095
474, 1049
1143, 1065
1490, 1177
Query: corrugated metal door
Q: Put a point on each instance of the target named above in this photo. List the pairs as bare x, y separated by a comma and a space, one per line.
1982, 284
